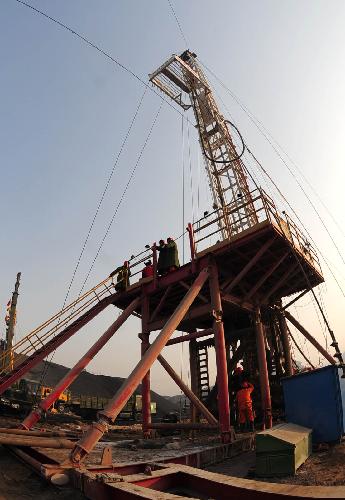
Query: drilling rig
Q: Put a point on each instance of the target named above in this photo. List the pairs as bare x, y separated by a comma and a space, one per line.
267, 356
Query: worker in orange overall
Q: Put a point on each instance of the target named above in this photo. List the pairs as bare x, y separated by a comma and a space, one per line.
245, 405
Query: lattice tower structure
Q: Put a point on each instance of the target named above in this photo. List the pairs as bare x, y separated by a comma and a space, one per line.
182, 79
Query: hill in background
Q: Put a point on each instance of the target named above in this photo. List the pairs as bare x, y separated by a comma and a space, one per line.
89, 384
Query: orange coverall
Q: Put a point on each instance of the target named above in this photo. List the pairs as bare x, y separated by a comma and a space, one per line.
245, 404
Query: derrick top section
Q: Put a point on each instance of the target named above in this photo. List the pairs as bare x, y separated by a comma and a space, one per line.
182, 79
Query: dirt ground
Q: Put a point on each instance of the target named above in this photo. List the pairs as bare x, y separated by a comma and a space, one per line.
325, 467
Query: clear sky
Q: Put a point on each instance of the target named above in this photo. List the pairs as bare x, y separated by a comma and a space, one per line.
65, 109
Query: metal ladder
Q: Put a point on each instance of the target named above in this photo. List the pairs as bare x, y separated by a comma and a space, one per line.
203, 377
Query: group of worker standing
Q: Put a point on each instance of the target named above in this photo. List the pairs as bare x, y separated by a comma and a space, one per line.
168, 261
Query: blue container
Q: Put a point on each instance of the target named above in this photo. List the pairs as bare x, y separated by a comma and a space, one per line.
316, 400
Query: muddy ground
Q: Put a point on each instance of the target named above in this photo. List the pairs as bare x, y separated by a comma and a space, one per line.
325, 467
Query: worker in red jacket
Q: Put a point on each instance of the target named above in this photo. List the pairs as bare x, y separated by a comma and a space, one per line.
245, 405
148, 270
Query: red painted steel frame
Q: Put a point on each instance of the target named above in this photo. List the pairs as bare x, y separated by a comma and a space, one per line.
219, 342
308, 336
191, 336
96, 431
37, 356
264, 380
74, 372
190, 394
145, 384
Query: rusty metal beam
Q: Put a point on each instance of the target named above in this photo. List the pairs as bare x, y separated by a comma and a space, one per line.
190, 336
266, 275
219, 340
299, 296
309, 337
232, 282
74, 372
115, 405
289, 272
200, 296
193, 313
190, 394
236, 301
145, 384
160, 303
38, 442
263, 372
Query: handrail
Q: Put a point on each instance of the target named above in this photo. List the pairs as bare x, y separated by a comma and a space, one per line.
266, 210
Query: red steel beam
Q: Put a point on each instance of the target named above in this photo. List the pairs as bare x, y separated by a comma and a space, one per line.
193, 313
267, 274
219, 340
190, 394
115, 405
190, 336
286, 343
160, 303
74, 372
232, 282
291, 271
11, 377
311, 339
263, 372
145, 384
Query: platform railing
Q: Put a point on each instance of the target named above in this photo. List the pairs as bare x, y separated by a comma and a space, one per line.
37, 338
208, 230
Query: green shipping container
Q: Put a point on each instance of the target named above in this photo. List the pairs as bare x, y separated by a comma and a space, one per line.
282, 449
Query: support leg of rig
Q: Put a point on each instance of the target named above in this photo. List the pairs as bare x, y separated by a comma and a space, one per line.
74, 372
107, 416
219, 342
145, 384
263, 372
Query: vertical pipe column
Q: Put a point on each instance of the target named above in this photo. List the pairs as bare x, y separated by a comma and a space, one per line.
145, 384
263, 372
193, 377
219, 341
286, 344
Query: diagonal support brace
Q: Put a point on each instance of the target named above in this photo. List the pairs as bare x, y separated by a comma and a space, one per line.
115, 405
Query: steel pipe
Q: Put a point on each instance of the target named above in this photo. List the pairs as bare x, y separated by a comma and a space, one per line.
219, 342
145, 384
74, 372
183, 425
286, 344
263, 372
311, 339
114, 407
190, 394
190, 336
37, 442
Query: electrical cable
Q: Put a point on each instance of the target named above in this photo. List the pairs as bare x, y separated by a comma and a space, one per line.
178, 23
47, 363
102, 51
255, 121
123, 195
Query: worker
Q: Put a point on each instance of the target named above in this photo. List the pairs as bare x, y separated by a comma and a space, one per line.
162, 258
172, 261
123, 273
245, 406
148, 270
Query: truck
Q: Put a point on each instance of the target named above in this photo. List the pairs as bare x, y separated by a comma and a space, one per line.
88, 406
25, 394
